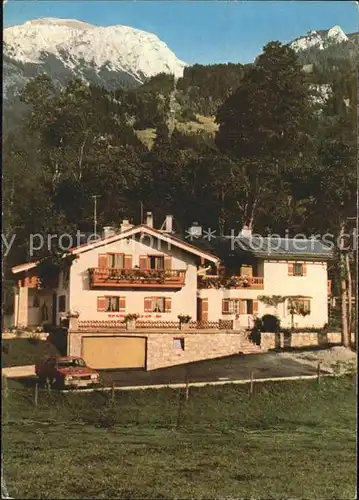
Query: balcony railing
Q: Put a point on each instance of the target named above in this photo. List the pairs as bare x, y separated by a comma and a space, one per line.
216, 281
133, 278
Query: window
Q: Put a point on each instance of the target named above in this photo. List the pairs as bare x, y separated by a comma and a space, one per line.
249, 306
298, 269
71, 363
156, 262
62, 303
239, 306
234, 306
111, 304
115, 260
178, 344
158, 304
300, 306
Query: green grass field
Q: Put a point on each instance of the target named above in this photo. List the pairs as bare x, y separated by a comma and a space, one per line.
26, 351
287, 440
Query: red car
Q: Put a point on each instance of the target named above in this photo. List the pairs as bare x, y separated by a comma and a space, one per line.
67, 372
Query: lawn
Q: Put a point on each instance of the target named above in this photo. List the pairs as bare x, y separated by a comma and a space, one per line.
26, 351
287, 440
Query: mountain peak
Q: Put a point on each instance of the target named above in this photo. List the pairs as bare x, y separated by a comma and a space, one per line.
76, 48
70, 23
319, 39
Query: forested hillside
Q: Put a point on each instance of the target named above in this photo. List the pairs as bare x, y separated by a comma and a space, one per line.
274, 158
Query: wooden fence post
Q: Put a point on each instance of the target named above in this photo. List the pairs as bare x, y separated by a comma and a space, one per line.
36, 396
179, 412
318, 373
251, 384
113, 392
187, 386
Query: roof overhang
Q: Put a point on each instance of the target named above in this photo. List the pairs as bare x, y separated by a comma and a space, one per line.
142, 229
24, 267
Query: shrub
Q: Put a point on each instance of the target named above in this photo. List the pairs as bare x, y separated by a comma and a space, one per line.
131, 317
270, 323
184, 318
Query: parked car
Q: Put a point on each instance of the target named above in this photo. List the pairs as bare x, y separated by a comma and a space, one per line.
67, 372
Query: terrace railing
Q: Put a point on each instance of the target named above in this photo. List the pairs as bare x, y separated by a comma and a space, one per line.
133, 278
155, 325
216, 281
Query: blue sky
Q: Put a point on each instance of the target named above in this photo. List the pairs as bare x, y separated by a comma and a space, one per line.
204, 32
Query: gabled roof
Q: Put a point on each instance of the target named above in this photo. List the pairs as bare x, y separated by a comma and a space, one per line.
141, 229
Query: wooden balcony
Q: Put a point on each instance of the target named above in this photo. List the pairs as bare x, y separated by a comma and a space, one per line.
216, 281
29, 282
136, 278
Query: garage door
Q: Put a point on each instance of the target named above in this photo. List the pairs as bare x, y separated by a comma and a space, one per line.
114, 352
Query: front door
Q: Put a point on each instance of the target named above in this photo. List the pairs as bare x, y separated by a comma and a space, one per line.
202, 309
54, 308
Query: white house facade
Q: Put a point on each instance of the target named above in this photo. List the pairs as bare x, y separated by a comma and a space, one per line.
159, 276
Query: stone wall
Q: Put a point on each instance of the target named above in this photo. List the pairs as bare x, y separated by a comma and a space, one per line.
198, 346
163, 350
298, 339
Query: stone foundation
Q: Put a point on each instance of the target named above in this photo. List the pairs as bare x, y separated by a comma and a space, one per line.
162, 351
298, 339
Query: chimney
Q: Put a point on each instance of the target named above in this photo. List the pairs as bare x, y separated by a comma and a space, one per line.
125, 225
195, 230
246, 232
149, 219
169, 224
108, 231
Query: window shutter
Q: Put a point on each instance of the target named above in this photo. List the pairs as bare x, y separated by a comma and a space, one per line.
122, 304
148, 304
168, 263
255, 306
168, 303
102, 260
304, 269
143, 262
101, 303
225, 306
204, 305
291, 269
242, 307
128, 262
307, 305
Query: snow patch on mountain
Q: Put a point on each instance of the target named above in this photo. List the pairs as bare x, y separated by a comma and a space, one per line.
319, 39
337, 35
76, 44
